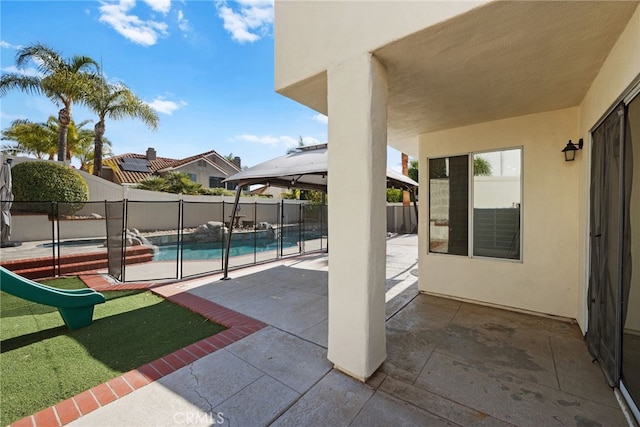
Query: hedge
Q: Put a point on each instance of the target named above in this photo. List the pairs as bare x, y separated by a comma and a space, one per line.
48, 182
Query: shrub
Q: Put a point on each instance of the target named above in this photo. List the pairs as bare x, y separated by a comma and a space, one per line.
48, 182
294, 194
394, 195
481, 167
218, 192
180, 183
153, 183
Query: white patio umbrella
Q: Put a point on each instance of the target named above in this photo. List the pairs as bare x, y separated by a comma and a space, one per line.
6, 199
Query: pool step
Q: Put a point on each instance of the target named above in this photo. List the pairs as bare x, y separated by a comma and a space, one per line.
38, 268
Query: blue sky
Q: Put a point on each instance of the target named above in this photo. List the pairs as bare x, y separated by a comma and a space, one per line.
205, 66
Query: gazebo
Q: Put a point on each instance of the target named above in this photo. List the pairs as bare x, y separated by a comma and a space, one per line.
306, 169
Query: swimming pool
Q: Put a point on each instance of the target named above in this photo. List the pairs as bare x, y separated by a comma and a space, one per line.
193, 251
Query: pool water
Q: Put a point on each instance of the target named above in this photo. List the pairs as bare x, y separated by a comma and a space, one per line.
193, 251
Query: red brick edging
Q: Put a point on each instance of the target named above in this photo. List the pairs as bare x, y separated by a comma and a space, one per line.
239, 326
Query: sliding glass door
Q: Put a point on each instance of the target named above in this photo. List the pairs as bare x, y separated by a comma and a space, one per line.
613, 336
631, 249
603, 336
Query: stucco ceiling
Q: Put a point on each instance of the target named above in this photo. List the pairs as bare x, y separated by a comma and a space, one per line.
501, 60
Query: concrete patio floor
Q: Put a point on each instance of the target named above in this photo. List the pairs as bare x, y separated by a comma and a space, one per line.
449, 362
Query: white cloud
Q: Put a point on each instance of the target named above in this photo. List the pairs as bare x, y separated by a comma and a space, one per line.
163, 106
251, 20
7, 45
286, 141
321, 118
11, 117
183, 23
130, 26
162, 6
30, 71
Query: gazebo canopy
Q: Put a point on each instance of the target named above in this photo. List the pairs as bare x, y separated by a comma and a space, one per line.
306, 168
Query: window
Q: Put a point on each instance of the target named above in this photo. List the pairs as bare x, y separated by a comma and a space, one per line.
215, 182
192, 177
489, 182
448, 207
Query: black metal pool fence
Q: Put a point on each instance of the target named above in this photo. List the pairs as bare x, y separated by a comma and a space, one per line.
158, 240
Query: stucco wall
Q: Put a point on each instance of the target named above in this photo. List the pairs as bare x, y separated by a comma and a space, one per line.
203, 170
202, 173
101, 189
547, 279
618, 71
154, 215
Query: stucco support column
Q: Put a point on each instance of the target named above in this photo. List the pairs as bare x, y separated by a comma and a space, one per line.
357, 104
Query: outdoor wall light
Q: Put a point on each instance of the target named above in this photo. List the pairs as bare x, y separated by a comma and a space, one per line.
570, 150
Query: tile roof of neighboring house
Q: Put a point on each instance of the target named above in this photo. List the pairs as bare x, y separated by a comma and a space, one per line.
187, 160
126, 177
160, 164
182, 163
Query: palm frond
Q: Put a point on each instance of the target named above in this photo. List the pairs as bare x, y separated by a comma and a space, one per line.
116, 101
83, 63
11, 81
46, 59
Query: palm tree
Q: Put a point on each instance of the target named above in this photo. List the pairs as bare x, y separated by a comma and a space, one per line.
481, 167
173, 182
81, 145
413, 170
115, 101
75, 134
63, 81
300, 145
153, 183
36, 139
180, 183
40, 139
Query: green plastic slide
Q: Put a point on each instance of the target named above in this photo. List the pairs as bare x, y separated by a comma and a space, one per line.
75, 306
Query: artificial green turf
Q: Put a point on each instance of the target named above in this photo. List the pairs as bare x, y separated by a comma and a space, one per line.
42, 362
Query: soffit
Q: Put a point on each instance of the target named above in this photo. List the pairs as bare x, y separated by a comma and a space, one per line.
501, 60
311, 92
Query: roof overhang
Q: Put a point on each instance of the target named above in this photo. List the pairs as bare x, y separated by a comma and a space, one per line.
500, 60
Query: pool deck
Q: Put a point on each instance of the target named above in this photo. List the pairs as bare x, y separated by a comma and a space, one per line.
448, 362
36, 249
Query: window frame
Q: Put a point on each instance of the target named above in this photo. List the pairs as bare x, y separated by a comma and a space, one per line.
220, 183
470, 204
